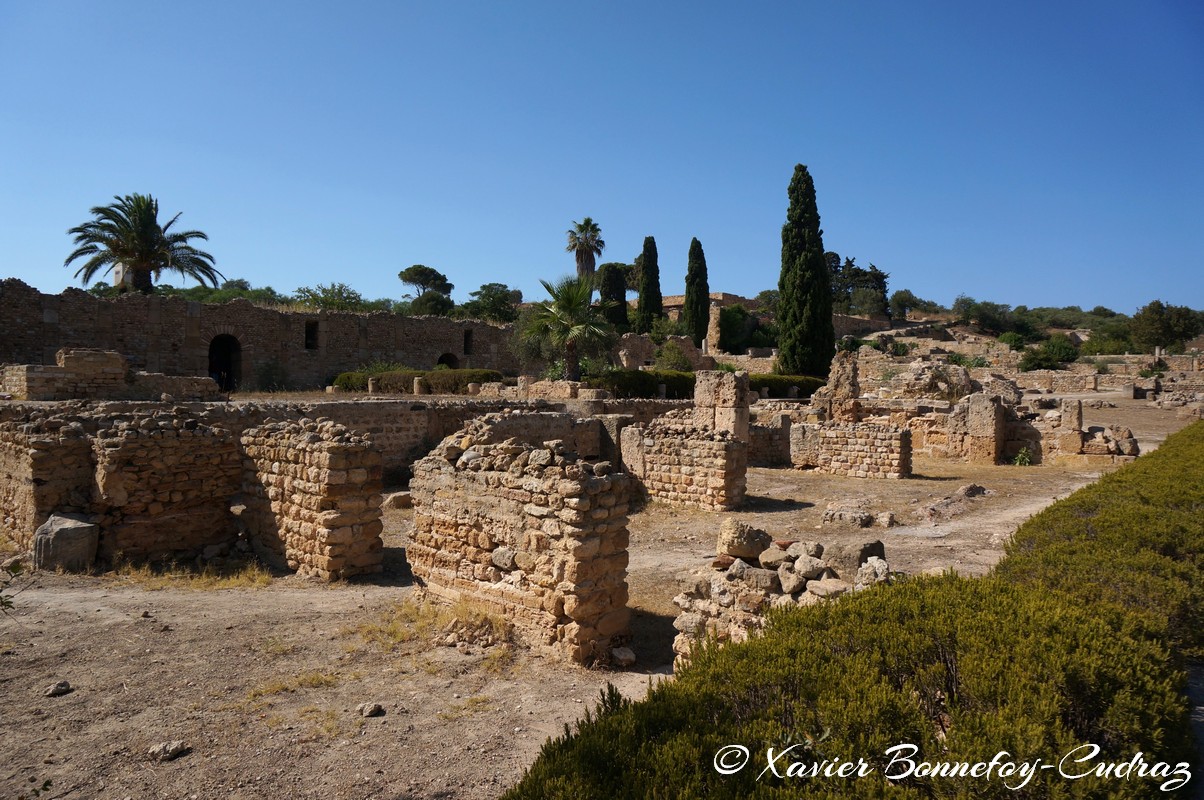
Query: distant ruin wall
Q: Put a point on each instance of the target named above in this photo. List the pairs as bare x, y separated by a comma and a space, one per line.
682, 464
857, 450
313, 498
263, 346
529, 533
98, 375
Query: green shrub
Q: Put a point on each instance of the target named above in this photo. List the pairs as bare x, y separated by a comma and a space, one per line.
399, 381
633, 383
961, 668
670, 356
1013, 340
969, 362
1074, 639
779, 385
455, 381
352, 381
1037, 358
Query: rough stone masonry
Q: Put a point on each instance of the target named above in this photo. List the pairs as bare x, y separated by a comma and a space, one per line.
529, 531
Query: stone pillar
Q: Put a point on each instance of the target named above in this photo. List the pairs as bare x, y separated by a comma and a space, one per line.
721, 402
1072, 415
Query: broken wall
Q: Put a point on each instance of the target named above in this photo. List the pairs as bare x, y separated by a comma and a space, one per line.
856, 450
530, 532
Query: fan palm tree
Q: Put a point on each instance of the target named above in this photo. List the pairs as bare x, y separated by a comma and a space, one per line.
585, 242
568, 323
128, 233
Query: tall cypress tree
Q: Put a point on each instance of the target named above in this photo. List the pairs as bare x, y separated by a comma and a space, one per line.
649, 307
697, 311
807, 339
612, 286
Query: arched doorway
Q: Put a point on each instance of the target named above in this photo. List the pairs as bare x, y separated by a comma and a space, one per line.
448, 360
225, 361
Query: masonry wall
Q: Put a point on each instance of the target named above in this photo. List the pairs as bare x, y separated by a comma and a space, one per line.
98, 375
45, 466
528, 532
681, 463
173, 336
859, 450
163, 488
769, 440
313, 498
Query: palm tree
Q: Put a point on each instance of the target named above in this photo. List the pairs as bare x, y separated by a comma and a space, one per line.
585, 241
128, 233
569, 323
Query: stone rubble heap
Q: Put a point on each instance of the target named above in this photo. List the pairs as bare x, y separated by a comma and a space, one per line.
753, 573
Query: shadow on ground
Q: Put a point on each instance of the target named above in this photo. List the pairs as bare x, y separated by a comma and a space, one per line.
754, 502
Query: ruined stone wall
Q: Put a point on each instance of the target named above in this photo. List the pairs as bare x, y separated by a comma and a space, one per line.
98, 375
1058, 381
533, 534
681, 463
635, 350
173, 336
163, 488
769, 441
45, 466
313, 498
858, 450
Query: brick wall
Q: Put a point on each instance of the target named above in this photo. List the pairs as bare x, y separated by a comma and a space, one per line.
683, 464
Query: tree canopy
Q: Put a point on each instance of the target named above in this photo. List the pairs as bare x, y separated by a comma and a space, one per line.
650, 304
496, 302
696, 313
806, 338
127, 233
585, 242
568, 323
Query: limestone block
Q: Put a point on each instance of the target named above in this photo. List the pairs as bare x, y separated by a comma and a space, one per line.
741, 540
66, 541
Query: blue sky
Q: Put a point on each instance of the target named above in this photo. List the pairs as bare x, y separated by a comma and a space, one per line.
1025, 152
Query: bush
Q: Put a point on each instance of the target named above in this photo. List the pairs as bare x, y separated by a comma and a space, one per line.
1038, 358
455, 381
399, 381
779, 385
352, 381
670, 356
633, 383
1013, 340
1065, 644
975, 362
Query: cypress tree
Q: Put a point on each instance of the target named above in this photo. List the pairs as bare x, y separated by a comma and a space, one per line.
649, 306
612, 286
697, 311
807, 339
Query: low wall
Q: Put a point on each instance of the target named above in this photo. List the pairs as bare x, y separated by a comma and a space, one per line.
769, 440
313, 498
683, 464
98, 375
162, 490
45, 466
529, 533
857, 450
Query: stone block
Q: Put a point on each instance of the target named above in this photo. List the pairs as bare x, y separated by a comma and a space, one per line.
67, 542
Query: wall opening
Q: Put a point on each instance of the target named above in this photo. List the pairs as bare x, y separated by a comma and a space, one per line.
225, 361
311, 335
467, 343
448, 360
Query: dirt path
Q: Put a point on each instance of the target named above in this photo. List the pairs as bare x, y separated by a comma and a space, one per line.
263, 685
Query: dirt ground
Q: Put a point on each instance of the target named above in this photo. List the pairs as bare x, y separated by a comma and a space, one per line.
262, 685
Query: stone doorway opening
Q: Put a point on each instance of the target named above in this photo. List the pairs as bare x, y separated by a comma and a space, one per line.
449, 360
225, 361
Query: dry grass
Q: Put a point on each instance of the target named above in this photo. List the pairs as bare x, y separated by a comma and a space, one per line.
412, 620
472, 705
8, 547
275, 646
248, 575
314, 679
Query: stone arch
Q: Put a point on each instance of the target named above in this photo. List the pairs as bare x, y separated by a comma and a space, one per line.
225, 361
449, 360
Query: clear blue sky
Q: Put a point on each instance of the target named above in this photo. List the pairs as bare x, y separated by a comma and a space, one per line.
1026, 152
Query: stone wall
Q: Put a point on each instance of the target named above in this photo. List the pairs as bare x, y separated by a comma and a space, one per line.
528, 531
177, 337
313, 498
769, 440
858, 450
45, 466
98, 375
163, 488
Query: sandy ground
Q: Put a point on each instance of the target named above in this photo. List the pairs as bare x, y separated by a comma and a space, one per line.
262, 685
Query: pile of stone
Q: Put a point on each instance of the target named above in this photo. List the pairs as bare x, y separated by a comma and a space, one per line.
752, 573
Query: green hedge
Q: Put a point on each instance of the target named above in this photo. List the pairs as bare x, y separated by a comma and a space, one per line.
636, 383
779, 385
1074, 640
440, 381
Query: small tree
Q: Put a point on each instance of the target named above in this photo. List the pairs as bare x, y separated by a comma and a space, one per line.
493, 301
585, 242
568, 323
649, 306
697, 311
612, 291
807, 339
335, 297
